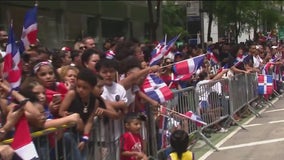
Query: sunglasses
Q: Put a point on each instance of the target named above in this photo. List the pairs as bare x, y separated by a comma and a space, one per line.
83, 47
168, 62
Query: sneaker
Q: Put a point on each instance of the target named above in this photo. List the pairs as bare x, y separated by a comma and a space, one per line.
223, 130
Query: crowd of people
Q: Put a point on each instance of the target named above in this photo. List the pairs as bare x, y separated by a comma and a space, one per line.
77, 84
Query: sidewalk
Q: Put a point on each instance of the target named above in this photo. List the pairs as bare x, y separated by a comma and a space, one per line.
263, 139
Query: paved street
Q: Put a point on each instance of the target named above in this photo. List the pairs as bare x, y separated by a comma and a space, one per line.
263, 139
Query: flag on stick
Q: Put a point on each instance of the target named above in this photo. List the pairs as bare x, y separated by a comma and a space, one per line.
22, 143
157, 89
30, 29
12, 61
188, 66
265, 84
190, 115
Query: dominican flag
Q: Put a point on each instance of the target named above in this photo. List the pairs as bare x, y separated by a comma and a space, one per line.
22, 143
110, 54
166, 50
161, 50
12, 61
29, 33
188, 66
157, 54
240, 58
194, 117
163, 128
181, 77
226, 66
210, 56
266, 68
157, 89
265, 84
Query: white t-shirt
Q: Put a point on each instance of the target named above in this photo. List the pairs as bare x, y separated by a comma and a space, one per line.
205, 90
115, 92
256, 61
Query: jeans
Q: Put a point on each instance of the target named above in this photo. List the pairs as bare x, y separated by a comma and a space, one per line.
71, 150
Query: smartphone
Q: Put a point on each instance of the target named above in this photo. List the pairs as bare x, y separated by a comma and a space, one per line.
56, 97
17, 107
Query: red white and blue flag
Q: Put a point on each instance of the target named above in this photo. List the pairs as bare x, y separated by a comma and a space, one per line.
163, 128
188, 66
12, 71
22, 143
166, 50
240, 58
184, 77
210, 56
157, 89
162, 49
30, 29
265, 84
267, 67
110, 54
196, 118
157, 54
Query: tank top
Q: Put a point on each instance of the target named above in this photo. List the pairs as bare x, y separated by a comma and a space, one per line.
77, 106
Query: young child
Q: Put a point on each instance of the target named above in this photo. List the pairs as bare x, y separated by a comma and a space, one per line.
68, 75
46, 75
83, 101
179, 142
113, 95
131, 142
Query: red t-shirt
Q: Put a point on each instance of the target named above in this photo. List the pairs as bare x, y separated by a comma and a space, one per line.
130, 142
60, 89
168, 79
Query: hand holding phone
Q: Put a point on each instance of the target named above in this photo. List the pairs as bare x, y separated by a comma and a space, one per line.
56, 98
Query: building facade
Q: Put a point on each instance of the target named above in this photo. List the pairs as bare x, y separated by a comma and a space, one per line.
62, 22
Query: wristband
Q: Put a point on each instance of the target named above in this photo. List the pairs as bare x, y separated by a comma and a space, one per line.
23, 102
84, 139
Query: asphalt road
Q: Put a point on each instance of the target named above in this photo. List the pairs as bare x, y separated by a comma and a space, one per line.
263, 139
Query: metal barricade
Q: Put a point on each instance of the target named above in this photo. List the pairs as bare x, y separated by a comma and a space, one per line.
213, 103
238, 92
48, 143
105, 139
252, 86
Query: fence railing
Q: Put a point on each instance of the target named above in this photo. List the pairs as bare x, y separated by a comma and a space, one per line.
213, 102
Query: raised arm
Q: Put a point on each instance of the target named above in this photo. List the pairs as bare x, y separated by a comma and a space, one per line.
65, 104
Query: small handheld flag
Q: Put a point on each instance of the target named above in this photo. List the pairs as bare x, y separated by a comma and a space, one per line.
265, 84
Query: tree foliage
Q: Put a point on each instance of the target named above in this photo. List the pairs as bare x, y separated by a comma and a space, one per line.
174, 19
238, 16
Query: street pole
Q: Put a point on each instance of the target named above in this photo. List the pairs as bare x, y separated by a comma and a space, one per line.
202, 23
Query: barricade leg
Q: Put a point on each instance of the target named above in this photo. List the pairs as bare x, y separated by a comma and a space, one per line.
230, 119
250, 108
276, 93
267, 102
207, 141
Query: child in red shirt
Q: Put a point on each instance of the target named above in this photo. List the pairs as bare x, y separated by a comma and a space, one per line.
131, 141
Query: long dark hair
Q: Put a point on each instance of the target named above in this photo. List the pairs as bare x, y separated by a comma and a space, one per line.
179, 141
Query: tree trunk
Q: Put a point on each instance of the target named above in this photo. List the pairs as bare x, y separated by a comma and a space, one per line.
151, 20
255, 35
153, 25
238, 30
210, 16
